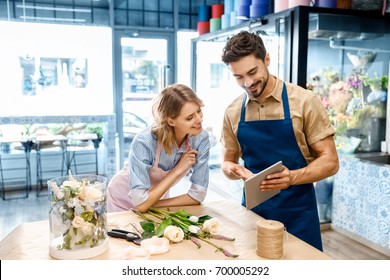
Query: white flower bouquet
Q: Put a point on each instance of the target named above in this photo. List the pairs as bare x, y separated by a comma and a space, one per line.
179, 225
77, 214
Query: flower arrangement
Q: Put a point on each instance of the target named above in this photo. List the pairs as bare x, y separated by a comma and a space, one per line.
350, 103
180, 225
78, 212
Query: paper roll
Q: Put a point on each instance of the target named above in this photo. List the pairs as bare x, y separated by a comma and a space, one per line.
243, 12
326, 3
225, 21
204, 13
217, 10
233, 20
228, 6
203, 27
294, 3
257, 11
280, 5
215, 24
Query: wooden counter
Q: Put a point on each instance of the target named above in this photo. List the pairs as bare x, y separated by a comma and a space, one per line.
30, 241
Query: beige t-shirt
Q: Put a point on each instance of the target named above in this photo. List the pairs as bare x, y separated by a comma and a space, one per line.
309, 117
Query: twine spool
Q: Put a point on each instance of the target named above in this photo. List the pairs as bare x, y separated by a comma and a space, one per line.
270, 239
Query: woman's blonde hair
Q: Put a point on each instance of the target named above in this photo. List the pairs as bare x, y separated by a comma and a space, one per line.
168, 104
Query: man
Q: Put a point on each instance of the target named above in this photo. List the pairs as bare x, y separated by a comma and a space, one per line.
275, 120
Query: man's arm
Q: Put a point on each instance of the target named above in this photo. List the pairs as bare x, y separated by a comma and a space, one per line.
326, 164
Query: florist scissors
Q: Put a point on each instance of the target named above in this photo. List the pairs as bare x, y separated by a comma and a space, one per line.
128, 235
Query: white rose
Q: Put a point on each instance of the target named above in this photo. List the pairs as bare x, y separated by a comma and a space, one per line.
90, 193
211, 225
87, 227
174, 234
193, 229
78, 222
73, 184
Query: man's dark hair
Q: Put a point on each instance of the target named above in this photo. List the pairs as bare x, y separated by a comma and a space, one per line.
243, 44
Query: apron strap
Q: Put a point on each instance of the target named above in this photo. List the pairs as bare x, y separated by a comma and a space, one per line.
188, 146
286, 106
242, 118
158, 152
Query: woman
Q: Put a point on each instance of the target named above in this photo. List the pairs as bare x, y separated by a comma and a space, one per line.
174, 146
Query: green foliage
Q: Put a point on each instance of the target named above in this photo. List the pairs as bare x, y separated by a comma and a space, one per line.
375, 83
96, 128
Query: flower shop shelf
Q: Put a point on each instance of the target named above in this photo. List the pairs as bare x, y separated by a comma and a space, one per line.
380, 158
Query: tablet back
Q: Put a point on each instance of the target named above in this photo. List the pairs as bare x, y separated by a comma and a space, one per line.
253, 195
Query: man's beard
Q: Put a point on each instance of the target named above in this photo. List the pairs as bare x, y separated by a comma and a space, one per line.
257, 93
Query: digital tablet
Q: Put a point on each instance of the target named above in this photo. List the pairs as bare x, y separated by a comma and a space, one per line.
253, 195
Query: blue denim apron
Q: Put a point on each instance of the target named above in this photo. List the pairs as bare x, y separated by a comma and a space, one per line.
263, 143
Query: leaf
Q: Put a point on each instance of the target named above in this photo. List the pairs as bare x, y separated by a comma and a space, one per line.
147, 234
147, 226
163, 226
87, 216
204, 218
183, 213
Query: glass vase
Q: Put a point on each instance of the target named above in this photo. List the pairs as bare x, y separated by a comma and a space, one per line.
77, 216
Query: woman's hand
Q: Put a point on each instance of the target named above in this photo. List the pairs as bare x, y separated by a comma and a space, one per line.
187, 160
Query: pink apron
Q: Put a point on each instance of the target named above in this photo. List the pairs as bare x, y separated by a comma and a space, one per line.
118, 187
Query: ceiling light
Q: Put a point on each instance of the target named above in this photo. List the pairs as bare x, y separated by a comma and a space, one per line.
52, 19
79, 10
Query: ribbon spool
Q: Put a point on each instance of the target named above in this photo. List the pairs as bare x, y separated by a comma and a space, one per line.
270, 235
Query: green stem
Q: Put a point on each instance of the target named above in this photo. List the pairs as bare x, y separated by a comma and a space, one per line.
141, 215
224, 251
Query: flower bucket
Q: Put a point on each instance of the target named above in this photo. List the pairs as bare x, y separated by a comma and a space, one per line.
77, 217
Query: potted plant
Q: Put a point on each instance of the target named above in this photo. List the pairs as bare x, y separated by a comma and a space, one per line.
96, 128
